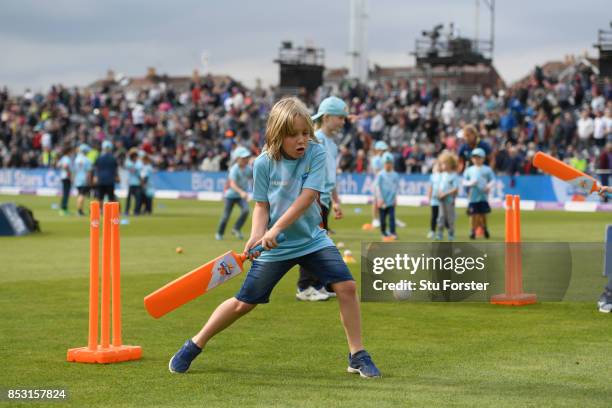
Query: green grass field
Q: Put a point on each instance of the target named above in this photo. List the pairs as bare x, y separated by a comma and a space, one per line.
289, 353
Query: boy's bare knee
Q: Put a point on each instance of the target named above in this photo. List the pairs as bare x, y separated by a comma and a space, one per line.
243, 308
346, 288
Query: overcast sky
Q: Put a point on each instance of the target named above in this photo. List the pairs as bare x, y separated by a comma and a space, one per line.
75, 42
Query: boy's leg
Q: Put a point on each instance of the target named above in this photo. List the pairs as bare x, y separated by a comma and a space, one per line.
450, 220
307, 279
441, 222
350, 314
79, 202
327, 263
474, 225
65, 194
139, 200
484, 225
382, 215
375, 213
391, 212
244, 213
128, 200
227, 210
435, 209
224, 315
256, 288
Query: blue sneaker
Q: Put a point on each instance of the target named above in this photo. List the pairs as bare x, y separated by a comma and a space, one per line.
180, 362
362, 363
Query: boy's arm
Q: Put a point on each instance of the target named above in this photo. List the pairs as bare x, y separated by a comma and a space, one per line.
336, 204
453, 187
467, 180
259, 223
491, 182
234, 186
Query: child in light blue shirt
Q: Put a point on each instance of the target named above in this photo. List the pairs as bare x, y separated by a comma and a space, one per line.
387, 182
479, 178
288, 178
82, 176
376, 166
434, 203
146, 184
329, 120
238, 178
133, 166
447, 192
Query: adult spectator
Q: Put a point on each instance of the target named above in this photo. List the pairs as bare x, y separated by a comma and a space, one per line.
106, 173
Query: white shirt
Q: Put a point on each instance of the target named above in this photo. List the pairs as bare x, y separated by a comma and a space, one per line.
598, 104
585, 128
599, 127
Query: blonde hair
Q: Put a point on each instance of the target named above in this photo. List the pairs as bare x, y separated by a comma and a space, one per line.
450, 159
281, 124
471, 129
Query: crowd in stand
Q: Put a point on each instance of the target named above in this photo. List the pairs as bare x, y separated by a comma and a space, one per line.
197, 129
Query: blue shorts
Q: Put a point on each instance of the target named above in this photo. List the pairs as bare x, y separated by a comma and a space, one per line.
480, 207
326, 264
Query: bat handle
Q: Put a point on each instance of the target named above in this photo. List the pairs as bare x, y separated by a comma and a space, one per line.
259, 248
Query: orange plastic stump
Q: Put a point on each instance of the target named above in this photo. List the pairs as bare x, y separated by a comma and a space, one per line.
513, 295
514, 300
111, 354
104, 352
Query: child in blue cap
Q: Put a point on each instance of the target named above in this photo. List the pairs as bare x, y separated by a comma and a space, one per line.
328, 121
239, 175
376, 166
82, 176
480, 179
288, 178
387, 182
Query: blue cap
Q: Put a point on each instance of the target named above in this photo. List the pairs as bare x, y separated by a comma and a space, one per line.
479, 152
84, 148
331, 106
380, 145
387, 157
241, 153
106, 145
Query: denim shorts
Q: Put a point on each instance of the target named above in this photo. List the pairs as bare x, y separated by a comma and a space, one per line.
326, 264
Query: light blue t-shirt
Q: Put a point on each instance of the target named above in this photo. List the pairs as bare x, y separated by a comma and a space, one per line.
133, 168
434, 179
65, 166
483, 175
240, 177
386, 187
146, 172
330, 171
82, 167
448, 181
280, 183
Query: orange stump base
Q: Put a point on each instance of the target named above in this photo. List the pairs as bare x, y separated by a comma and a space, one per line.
514, 300
111, 354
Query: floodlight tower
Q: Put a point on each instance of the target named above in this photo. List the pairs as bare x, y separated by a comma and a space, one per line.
358, 41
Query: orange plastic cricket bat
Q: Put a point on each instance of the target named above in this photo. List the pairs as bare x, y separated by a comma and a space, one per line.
197, 282
565, 172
